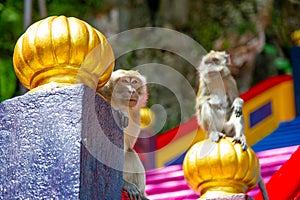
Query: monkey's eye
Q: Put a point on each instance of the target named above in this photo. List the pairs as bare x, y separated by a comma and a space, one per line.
215, 60
134, 81
228, 60
124, 81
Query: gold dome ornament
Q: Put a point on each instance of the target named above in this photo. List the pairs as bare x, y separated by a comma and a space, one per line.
64, 51
295, 37
147, 117
220, 169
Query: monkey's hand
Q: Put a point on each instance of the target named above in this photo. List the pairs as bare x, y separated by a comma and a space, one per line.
238, 107
215, 136
121, 118
241, 140
238, 111
132, 190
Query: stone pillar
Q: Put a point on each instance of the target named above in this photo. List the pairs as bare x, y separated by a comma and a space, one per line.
60, 144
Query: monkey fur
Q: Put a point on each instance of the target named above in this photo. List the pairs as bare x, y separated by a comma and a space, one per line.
218, 110
126, 91
218, 105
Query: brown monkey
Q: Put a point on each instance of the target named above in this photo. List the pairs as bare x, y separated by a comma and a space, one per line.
218, 107
127, 91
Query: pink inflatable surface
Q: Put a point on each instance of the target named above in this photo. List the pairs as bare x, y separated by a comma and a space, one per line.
168, 183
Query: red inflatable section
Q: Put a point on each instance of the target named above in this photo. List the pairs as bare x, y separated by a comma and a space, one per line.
285, 183
265, 85
125, 195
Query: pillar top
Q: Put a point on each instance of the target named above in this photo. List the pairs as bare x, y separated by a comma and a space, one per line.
64, 50
220, 169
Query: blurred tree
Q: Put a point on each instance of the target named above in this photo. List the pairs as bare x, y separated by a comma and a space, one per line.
246, 29
245, 38
255, 32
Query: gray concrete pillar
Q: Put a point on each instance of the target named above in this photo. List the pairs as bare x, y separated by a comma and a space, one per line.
60, 144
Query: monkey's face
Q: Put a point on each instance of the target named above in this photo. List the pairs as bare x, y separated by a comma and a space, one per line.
128, 90
214, 63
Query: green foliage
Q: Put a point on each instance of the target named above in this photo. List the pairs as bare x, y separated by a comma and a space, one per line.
283, 64
11, 28
244, 27
270, 49
206, 36
8, 79
74, 8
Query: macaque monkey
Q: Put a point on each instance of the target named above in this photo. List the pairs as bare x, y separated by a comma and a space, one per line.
126, 91
218, 106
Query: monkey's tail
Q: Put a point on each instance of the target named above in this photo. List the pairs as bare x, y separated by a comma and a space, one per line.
263, 189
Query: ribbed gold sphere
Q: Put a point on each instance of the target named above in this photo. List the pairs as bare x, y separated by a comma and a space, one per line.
220, 169
147, 117
295, 36
62, 50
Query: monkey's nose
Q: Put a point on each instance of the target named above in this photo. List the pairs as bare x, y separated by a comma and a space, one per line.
131, 90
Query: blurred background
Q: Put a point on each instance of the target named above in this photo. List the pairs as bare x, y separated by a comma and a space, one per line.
256, 33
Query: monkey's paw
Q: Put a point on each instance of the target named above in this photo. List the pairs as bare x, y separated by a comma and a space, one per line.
215, 136
240, 140
132, 190
121, 117
238, 106
238, 111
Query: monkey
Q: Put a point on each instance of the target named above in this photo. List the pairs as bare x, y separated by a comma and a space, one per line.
126, 91
218, 110
218, 105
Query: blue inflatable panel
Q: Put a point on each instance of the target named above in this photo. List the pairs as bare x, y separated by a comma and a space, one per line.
287, 134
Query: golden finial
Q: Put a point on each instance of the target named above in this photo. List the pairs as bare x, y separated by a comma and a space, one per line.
147, 117
295, 36
220, 169
64, 51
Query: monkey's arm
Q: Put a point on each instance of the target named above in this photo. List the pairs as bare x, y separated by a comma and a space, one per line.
120, 117
231, 87
236, 122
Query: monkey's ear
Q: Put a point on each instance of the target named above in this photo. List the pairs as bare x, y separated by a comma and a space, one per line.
228, 60
116, 75
211, 60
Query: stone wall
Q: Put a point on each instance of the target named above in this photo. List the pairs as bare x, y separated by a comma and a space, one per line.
60, 144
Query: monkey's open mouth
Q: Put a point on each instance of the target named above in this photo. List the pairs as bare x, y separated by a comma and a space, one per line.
132, 100
212, 73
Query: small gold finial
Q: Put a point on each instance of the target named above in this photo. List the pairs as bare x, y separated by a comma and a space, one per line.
295, 36
147, 117
220, 169
65, 51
